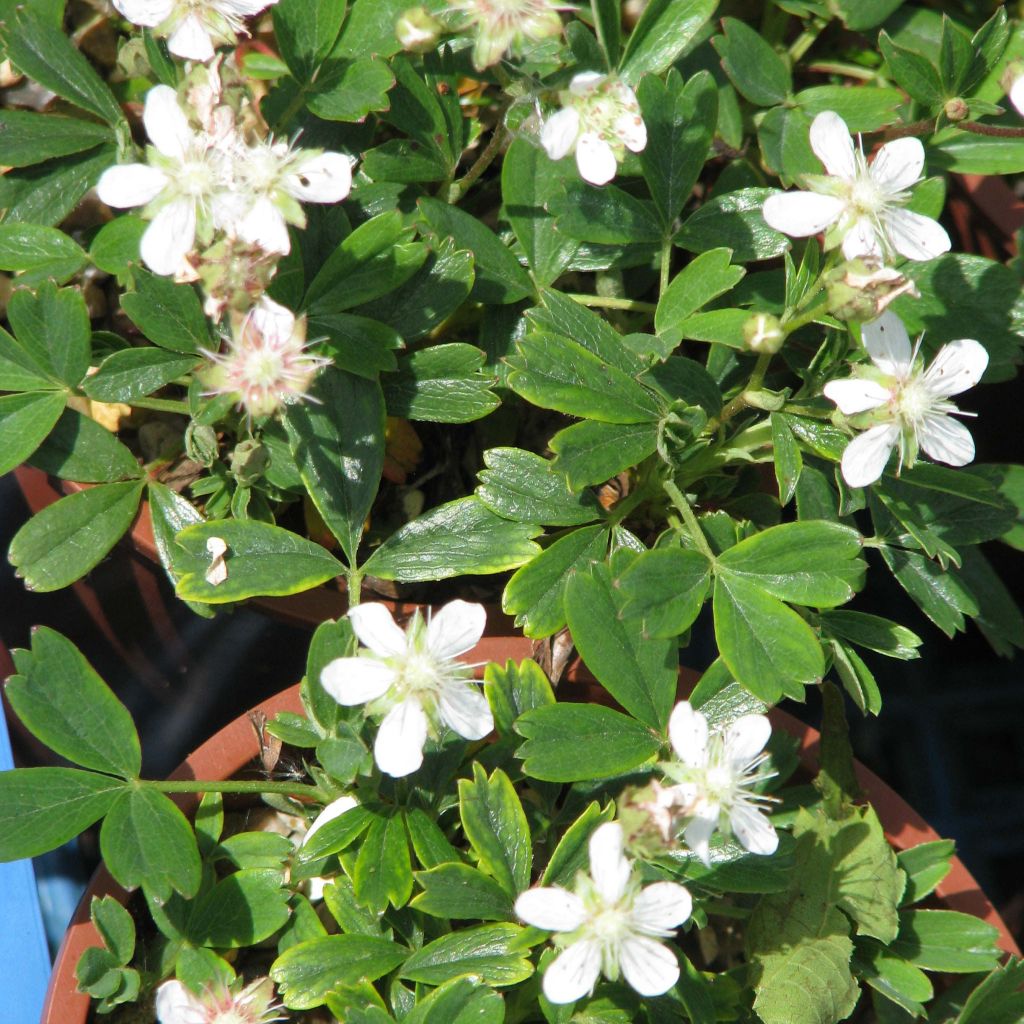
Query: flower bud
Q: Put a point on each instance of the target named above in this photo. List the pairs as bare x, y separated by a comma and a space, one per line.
543, 25
249, 461
418, 30
201, 444
861, 289
956, 109
763, 333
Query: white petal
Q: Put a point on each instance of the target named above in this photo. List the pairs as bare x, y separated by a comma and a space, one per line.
335, 809
166, 123
866, 455
661, 907
899, 164
585, 81
352, 681
558, 135
698, 833
650, 967
915, 236
1017, 94
264, 225
861, 240
376, 628
832, 145
551, 908
801, 213
746, 738
574, 973
398, 749
323, 178
465, 709
595, 159
956, 367
130, 185
274, 323
191, 40
169, 237
148, 13
888, 344
854, 395
609, 868
630, 128
244, 8
688, 732
455, 629
176, 1005
753, 830
946, 440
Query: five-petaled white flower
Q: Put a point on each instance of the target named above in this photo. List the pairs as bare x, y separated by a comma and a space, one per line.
714, 779
856, 204
600, 119
904, 406
413, 679
193, 27
502, 25
608, 925
253, 1004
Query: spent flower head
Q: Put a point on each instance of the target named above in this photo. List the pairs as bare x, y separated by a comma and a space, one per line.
412, 678
599, 120
608, 924
902, 405
504, 25
223, 1004
858, 205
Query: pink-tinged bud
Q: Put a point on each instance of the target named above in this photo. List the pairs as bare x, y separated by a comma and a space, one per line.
956, 109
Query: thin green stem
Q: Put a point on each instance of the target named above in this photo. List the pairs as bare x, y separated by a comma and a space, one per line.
692, 526
810, 315
840, 68
666, 264
355, 582
740, 402
161, 405
611, 302
234, 786
457, 190
805, 41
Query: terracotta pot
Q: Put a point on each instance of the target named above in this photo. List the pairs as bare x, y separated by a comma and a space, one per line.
235, 747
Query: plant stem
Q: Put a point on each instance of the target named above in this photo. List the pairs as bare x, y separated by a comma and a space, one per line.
610, 302
692, 526
234, 786
805, 41
355, 582
161, 405
457, 190
666, 264
794, 324
840, 68
991, 129
740, 401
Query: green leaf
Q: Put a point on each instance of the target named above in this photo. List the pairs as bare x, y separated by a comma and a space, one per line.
80, 449
116, 927
815, 563
608, 25
459, 891
665, 589
357, 344
25, 420
135, 372
169, 314
902, 983
858, 15
734, 221
146, 840
590, 452
31, 138
370, 28
417, 111
42, 51
459, 1001
383, 873
912, 72
115, 247
495, 825
441, 384
571, 855
245, 908
307, 972
608, 215
39, 253
704, 278
536, 592
946, 940
404, 161
254, 850
305, 31
573, 742
755, 69
966, 153
937, 592
337, 834
680, 121
639, 672
513, 689
46, 193
338, 444
462, 537
766, 645
19, 369
499, 277
873, 632
925, 865
956, 57
665, 29
521, 486
262, 560
529, 182
788, 460
784, 138
998, 999
53, 326
349, 90
428, 841
43, 808
65, 540
488, 952
863, 110
557, 373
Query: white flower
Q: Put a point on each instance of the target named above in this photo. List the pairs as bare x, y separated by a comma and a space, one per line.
266, 364
859, 205
335, 809
193, 27
413, 679
600, 119
715, 776
178, 186
502, 25
608, 925
175, 1004
904, 406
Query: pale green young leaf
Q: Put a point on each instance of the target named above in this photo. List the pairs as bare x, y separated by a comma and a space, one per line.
704, 278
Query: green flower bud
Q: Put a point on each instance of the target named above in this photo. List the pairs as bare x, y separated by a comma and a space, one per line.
763, 333
201, 444
418, 30
249, 462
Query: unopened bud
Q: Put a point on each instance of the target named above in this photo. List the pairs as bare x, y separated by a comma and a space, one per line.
249, 462
862, 289
418, 30
763, 333
201, 444
542, 25
956, 109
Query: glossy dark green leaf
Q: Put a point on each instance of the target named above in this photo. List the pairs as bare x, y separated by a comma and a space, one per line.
25, 420
145, 840
69, 537
460, 537
784, 138
417, 111
39, 253
115, 925
873, 632
80, 449
370, 29
755, 69
242, 909
459, 891
665, 590
402, 160
356, 343
733, 220
512, 689
441, 384
20, 370
608, 215
30, 138
52, 324
913, 72
938, 593
337, 834
665, 29
788, 460
169, 314
305, 31
46, 193
489, 951
496, 827
349, 90
116, 245
383, 873
608, 25
134, 373
704, 278
428, 841
946, 940
43, 808
459, 1001
680, 378
590, 452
